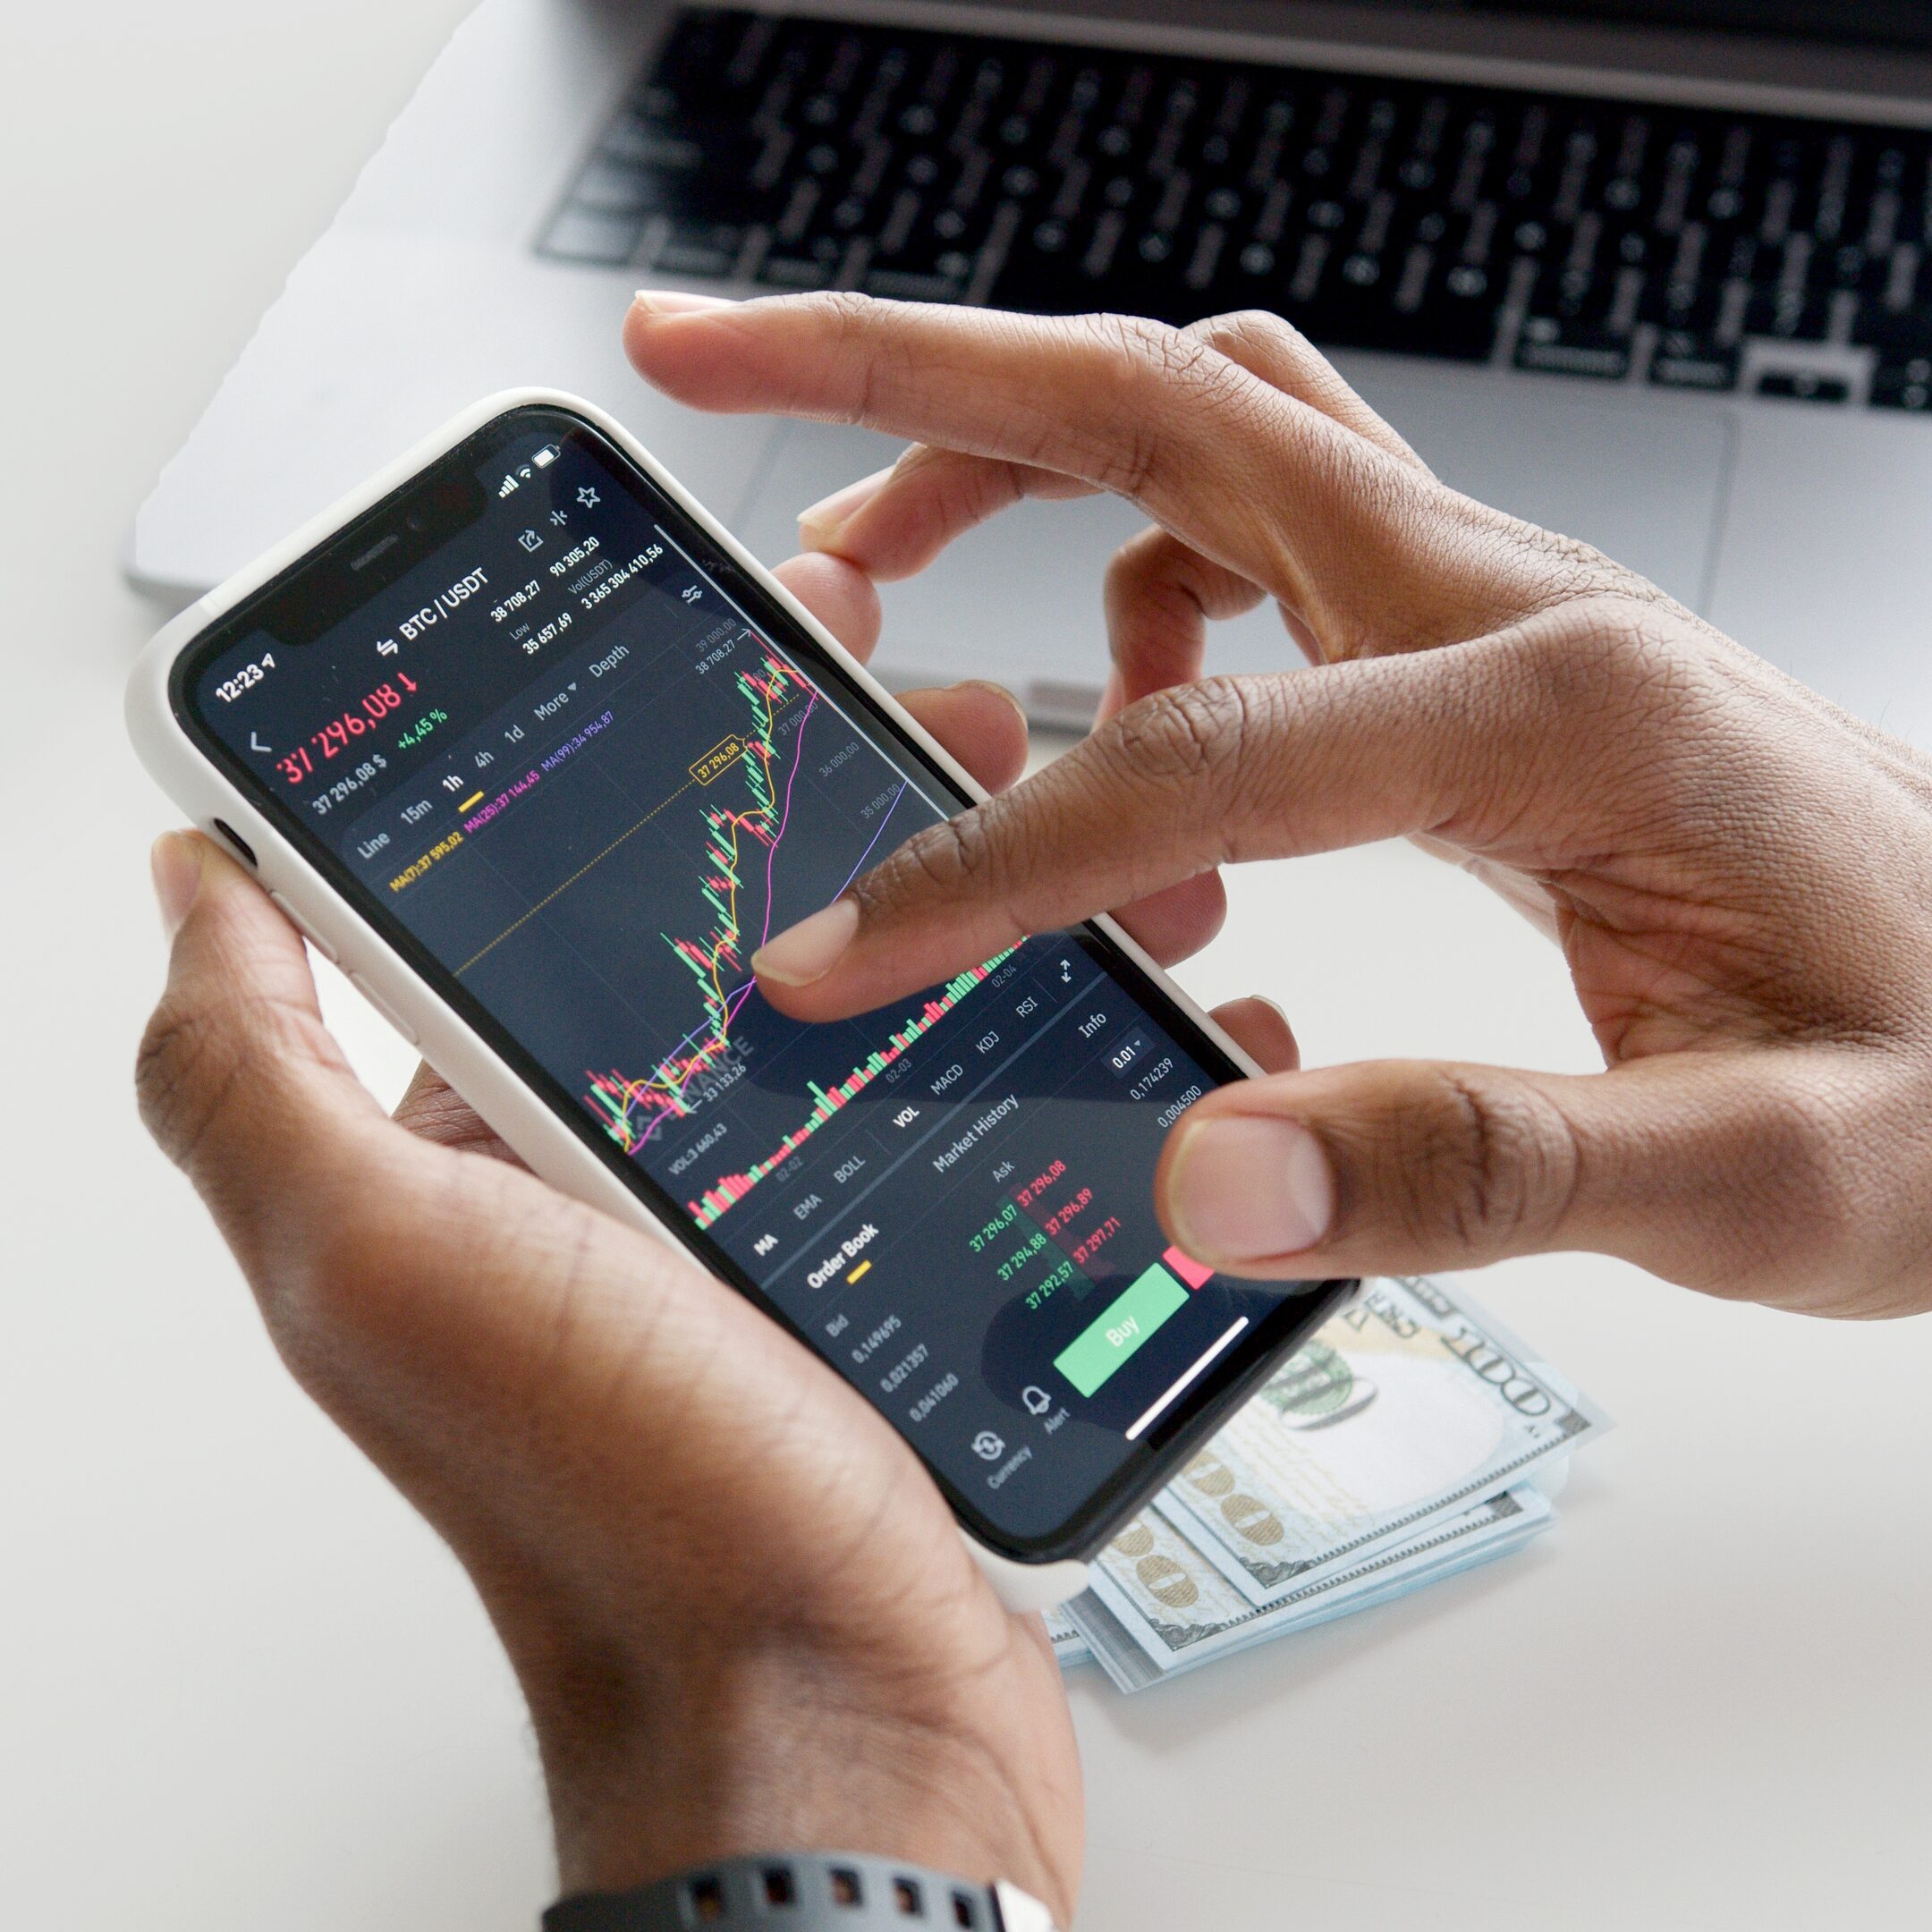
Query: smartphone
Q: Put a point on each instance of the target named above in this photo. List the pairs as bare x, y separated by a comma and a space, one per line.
522, 738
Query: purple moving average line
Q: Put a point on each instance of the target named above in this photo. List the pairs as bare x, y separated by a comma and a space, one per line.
867, 854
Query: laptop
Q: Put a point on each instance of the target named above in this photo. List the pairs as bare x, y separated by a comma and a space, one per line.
1654, 273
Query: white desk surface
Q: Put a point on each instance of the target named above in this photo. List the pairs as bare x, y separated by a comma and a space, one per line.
242, 1686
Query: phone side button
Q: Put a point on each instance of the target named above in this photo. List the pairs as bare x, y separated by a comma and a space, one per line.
383, 1007
305, 930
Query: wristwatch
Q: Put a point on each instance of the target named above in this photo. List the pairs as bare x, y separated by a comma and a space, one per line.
805, 1892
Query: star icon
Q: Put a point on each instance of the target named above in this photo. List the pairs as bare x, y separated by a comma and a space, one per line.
588, 497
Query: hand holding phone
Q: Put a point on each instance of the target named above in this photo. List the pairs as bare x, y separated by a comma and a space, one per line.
524, 737
739, 1615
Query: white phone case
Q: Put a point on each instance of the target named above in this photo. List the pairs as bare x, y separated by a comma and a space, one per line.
408, 1002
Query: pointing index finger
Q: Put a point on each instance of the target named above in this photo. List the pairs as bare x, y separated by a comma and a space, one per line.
1186, 779
1151, 413
1343, 527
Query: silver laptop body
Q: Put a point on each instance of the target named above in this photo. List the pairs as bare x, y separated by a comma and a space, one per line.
1728, 397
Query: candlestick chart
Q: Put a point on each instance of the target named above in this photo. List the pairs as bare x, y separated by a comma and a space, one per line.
740, 843
738, 852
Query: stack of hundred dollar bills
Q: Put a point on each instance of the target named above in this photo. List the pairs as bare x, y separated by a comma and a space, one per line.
1410, 1438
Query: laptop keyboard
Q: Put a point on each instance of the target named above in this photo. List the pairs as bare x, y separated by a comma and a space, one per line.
1611, 241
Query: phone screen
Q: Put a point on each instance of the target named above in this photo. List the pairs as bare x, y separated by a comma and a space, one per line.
577, 768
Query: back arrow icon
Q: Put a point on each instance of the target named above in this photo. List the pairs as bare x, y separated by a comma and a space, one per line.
255, 743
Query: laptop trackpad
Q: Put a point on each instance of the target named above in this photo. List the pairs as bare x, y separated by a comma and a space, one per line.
1020, 600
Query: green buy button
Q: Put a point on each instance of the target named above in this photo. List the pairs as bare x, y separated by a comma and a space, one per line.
1127, 1322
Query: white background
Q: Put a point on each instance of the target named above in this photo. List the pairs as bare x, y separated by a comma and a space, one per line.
240, 1686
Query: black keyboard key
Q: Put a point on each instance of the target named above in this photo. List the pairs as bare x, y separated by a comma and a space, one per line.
1903, 386
1791, 316
1856, 270
1442, 335
1376, 212
711, 50
700, 248
896, 285
1803, 386
1900, 335
613, 187
676, 175
1682, 360
1684, 308
585, 235
796, 274
1553, 347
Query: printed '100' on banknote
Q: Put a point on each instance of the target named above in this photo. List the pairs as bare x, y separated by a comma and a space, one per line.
1402, 1405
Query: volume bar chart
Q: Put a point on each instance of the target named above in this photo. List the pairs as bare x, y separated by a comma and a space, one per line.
728, 1189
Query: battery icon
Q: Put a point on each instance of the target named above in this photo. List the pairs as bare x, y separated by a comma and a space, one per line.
546, 456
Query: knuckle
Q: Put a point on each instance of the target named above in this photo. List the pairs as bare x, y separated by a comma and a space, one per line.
1490, 1164
1130, 341
1617, 654
957, 856
1636, 630
1575, 577
192, 1071
184, 1071
1177, 739
1190, 766
1815, 1184
862, 335
1176, 357
1147, 363
848, 309
1822, 1186
1243, 332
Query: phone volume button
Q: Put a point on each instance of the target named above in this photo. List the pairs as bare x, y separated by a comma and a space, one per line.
383, 1007
305, 930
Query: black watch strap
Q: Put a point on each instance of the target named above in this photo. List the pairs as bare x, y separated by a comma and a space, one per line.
805, 1892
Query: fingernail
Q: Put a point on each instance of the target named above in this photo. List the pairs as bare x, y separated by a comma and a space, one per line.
823, 522
997, 691
1112, 696
175, 862
809, 950
676, 301
1245, 1187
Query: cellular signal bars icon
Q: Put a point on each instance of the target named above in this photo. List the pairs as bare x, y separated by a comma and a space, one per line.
507, 486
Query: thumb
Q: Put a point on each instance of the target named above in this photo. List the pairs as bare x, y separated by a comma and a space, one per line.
1714, 1170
